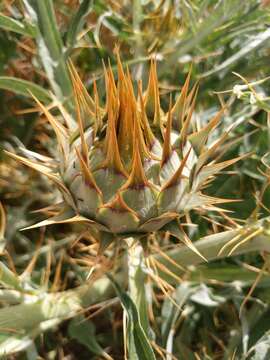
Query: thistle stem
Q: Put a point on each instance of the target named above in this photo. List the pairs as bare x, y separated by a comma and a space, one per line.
137, 280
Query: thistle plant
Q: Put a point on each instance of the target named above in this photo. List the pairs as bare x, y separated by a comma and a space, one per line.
130, 169
134, 170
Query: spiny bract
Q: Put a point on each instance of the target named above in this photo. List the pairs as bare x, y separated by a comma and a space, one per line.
129, 168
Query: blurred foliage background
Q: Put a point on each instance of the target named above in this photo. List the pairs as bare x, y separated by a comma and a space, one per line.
225, 43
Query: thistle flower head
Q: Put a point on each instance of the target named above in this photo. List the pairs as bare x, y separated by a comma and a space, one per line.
130, 167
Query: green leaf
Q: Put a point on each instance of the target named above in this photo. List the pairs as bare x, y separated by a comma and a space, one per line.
138, 344
7, 23
262, 348
222, 13
205, 296
50, 46
8, 278
83, 331
46, 21
24, 87
138, 290
208, 246
77, 22
250, 46
3, 222
170, 313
